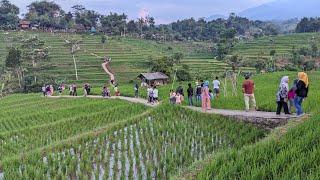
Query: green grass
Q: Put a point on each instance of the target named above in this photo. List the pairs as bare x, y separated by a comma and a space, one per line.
156, 143
283, 44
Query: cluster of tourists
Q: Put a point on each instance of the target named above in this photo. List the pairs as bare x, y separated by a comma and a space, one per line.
153, 94
201, 93
289, 97
47, 90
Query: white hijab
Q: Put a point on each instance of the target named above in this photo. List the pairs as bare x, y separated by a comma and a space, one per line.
284, 82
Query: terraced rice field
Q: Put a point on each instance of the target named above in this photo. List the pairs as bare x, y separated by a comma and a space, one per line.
283, 44
129, 56
85, 138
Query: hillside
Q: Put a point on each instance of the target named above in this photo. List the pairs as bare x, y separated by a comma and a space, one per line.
129, 56
283, 45
283, 10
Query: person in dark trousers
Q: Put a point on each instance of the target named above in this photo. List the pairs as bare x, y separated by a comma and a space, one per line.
136, 90
198, 92
301, 92
74, 92
282, 95
190, 94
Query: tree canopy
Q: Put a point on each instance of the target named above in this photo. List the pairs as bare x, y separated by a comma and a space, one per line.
8, 15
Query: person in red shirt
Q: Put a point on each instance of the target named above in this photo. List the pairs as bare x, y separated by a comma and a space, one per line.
248, 93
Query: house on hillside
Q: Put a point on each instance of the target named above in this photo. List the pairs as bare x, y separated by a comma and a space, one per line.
23, 24
154, 78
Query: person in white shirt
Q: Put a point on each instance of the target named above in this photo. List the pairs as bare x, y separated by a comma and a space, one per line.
216, 87
155, 94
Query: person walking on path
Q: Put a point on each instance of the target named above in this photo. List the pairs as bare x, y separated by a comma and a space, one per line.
198, 92
70, 89
248, 93
74, 90
282, 95
85, 90
60, 90
136, 90
216, 87
44, 90
206, 103
190, 94
301, 92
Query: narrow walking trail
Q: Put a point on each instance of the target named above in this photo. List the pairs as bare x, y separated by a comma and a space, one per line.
129, 99
266, 120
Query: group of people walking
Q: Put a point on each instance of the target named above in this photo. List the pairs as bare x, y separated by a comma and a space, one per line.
201, 93
153, 94
287, 98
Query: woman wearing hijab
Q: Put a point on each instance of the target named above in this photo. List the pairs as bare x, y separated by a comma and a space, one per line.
282, 95
301, 91
206, 103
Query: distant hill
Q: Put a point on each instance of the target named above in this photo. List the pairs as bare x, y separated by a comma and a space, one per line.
283, 9
216, 16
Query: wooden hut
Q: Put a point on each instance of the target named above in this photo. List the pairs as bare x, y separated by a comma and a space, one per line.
154, 78
24, 24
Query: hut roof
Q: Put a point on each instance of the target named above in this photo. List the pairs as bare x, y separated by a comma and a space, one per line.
153, 76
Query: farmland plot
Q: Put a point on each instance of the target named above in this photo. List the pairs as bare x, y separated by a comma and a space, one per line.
153, 145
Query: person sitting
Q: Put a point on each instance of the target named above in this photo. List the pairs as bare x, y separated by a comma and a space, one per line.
172, 97
178, 99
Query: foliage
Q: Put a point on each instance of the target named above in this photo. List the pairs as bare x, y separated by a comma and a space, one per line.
45, 14
308, 25
8, 15
183, 74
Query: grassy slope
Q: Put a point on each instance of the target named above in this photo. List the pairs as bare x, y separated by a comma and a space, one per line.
42, 126
294, 155
282, 44
129, 56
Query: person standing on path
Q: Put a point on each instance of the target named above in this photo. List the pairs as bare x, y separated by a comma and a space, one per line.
190, 94
74, 91
155, 94
282, 95
248, 93
136, 90
292, 95
206, 103
216, 87
301, 92
198, 92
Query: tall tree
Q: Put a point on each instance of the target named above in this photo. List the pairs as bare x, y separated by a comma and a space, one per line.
8, 15
13, 63
33, 52
74, 47
45, 14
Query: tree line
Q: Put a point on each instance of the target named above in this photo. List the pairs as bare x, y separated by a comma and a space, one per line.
308, 25
49, 15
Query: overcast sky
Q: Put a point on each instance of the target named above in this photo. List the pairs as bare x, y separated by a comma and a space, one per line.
164, 11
